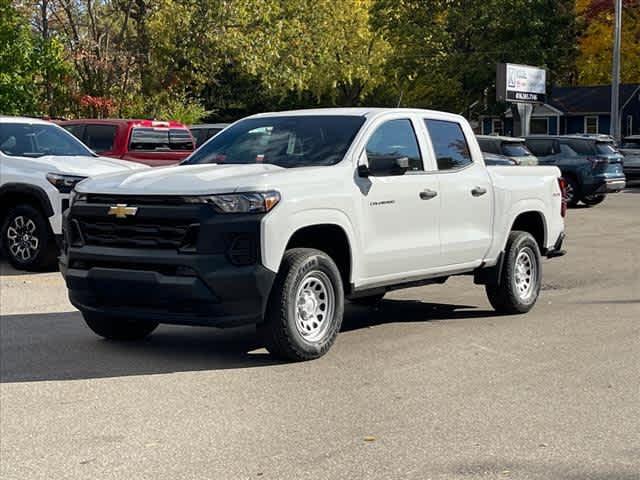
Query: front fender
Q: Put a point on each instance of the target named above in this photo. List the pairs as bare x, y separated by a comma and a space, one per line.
277, 230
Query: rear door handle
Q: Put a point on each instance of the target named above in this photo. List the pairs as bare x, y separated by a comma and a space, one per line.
478, 191
428, 194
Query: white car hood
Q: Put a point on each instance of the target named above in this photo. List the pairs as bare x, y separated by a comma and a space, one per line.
184, 180
88, 166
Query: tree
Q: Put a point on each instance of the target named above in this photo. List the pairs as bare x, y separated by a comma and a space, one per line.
596, 43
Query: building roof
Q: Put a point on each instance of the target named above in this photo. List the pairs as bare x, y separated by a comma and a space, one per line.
596, 99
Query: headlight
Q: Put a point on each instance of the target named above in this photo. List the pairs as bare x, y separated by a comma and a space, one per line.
250, 202
64, 183
75, 196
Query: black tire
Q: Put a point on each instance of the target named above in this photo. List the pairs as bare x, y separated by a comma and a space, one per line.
281, 329
572, 192
113, 328
368, 301
593, 200
27, 240
506, 296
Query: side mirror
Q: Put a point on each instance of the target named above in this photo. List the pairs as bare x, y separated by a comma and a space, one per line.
387, 166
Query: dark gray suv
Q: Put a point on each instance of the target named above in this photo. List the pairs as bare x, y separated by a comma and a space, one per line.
591, 165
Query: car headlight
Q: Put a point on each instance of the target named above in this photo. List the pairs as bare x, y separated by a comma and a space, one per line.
249, 202
74, 196
64, 183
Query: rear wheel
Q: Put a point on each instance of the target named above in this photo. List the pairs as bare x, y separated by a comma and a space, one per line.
521, 276
27, 240
114, 328
592, 200
305, 308
571, 192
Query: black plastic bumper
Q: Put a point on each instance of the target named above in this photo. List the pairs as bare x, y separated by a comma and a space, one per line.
171, 263
170, 288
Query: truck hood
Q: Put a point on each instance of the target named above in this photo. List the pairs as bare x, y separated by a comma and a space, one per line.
88, 166
188, 180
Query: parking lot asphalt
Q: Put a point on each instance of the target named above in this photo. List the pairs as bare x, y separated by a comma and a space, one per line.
430, 385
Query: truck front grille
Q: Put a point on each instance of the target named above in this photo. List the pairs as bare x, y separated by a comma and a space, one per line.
155, 235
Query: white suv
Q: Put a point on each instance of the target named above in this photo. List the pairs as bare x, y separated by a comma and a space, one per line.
40, 163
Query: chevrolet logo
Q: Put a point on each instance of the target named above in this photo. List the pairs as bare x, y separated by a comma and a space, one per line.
121, 210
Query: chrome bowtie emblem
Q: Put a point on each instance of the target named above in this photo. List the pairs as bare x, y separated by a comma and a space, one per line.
121, 210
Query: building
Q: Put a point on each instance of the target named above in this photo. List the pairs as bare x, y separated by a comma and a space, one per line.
575, 110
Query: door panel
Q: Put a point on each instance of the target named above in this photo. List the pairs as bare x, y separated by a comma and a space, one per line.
400, 230
401, 213
466, 224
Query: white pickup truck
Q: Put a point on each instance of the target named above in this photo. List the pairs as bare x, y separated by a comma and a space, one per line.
281, 216
40, 163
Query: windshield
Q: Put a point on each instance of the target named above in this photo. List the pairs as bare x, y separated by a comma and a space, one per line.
515, 149
631, 144
605, 148
295, 141
26, 140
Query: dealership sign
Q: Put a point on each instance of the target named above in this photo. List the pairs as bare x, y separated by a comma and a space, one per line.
521, 83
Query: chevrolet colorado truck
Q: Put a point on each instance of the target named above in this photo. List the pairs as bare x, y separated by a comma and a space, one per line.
39, 165
282, 216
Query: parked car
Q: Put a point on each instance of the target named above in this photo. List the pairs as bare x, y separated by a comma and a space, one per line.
203, 132
630, 148
281, 216
591, 165
150, 142
511, 147
500, 160
40, 163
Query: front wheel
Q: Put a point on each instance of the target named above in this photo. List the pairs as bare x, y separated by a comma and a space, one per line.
27, 240
305, 309
593, 200
521, 276
113, 328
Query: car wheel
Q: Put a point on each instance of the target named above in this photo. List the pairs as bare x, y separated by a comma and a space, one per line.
521, 276
305, 308
368, 301
571, 192
27, 240
114, 328
592, 200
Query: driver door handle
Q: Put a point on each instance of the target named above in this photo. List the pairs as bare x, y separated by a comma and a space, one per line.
428, 194
478, 191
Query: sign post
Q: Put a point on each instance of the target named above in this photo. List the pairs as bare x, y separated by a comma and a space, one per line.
523, 86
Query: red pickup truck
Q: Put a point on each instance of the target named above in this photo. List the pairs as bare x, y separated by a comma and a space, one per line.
150, 142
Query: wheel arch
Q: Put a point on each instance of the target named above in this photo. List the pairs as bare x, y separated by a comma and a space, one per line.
12, 194
533, 222
317, 228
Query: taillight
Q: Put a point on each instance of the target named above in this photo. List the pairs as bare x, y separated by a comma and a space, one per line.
562, 183
597, 161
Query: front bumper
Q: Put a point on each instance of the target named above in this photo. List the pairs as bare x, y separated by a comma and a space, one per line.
214, 281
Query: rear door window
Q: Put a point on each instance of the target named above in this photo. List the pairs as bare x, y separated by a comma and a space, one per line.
75, 130
100, 138
541, 147
160, 139
581, 147
488, 146
515, 149
449, 143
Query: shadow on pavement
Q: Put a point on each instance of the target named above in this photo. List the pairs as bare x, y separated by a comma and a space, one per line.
58, 346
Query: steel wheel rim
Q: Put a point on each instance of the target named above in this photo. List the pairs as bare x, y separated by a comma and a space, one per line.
22, 240
315, 306
525, 274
